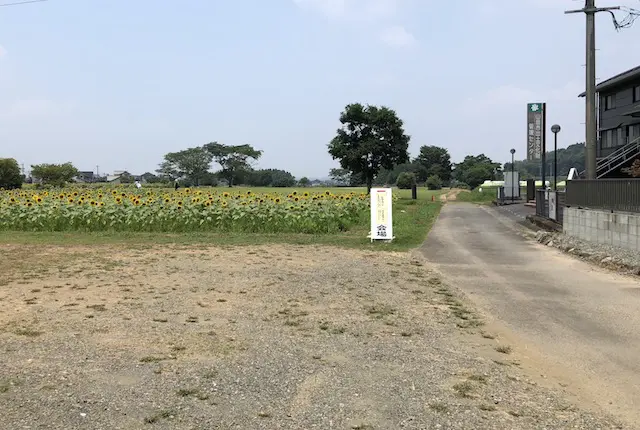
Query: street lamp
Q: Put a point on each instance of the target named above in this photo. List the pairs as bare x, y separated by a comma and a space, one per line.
555, 129
513, 179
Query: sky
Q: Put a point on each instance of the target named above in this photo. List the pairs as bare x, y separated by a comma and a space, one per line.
119, 83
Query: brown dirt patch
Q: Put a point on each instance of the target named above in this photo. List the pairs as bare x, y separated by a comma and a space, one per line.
265, 337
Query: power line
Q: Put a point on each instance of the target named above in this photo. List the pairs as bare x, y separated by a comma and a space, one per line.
21, 2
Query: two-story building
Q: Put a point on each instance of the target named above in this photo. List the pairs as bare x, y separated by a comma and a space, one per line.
618, 123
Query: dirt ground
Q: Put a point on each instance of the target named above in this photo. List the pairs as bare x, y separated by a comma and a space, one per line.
273, 337
452, 195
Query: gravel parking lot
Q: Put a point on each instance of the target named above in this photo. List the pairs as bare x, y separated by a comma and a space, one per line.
271, 337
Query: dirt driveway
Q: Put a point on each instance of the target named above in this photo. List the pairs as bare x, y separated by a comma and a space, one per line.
273, 337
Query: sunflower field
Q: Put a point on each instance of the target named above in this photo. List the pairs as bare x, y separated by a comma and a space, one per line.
186, 210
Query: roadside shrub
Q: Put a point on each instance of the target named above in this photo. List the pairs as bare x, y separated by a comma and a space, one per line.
434, 182
406, 180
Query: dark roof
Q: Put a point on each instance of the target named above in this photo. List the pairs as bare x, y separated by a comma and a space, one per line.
617, 80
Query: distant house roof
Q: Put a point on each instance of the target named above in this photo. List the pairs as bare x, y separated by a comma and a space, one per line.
621, 79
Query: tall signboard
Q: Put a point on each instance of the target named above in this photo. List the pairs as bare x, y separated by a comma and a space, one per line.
381, 223
536, 130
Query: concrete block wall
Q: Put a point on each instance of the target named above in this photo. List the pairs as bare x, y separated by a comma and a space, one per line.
617, 229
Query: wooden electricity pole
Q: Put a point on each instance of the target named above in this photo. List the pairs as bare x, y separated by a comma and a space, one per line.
591, 127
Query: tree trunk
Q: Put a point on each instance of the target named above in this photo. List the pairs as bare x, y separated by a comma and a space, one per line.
369, 183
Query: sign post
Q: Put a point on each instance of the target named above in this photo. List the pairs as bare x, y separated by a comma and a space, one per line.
537, 135
553, 205
381, 214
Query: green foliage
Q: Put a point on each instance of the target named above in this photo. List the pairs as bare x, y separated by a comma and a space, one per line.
434, 182
475, 196
269, 178
406, 180
371, 138
391, 176
474, 170
436, 161
232, 158
185, 210
54, 174
572, 156
10, 176
127, 178
304, 182
190, 164
342, 177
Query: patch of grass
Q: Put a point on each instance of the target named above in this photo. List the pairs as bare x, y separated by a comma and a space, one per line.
464, 389
186, 392
166, 414
4, 387
487, 196
487, 335
439, 407
160, 320
380, 311
292, 323
478, 378
487, 407
153, 359
504, 349
28, 332
99, 308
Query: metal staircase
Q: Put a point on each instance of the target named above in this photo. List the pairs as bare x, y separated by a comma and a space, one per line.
616, 159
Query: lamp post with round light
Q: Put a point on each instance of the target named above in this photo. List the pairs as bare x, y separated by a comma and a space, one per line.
513, 178
555, 129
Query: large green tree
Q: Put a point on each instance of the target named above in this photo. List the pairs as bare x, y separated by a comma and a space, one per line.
232, 158
10, 176
371, 138
475, 169
54, 174
191, 164
436, 161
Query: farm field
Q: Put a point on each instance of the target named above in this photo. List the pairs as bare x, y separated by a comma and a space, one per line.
255, 337
337, 216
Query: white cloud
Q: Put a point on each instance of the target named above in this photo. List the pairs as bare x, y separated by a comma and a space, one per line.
397, 37
355, 10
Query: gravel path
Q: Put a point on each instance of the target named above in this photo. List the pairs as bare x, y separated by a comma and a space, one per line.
619, 259
274, 337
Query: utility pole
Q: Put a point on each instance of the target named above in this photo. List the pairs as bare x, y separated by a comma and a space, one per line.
591, 127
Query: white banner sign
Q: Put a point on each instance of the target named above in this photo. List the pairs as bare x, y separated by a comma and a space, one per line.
381, 224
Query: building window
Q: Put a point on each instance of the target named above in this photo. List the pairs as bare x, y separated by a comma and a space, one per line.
610, 102
614, 137
633, 133
636, 93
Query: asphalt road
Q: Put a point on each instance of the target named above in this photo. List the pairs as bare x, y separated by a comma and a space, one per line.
567, 320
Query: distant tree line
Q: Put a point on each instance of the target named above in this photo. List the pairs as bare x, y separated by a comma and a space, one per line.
572, 156
372, 149
370, 145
